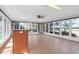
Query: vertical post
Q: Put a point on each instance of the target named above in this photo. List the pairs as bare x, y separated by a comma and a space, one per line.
40, 27
45, 27
60, 28
31, 28
19, 26
37, 27
48, 27
70, 27
3, 28
53, 28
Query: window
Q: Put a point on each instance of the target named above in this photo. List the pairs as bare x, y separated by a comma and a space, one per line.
22, 26
5, 29
75, 27
51, 27
38, 27
7, 25
34, 27
25, 26
57, 27
69, 27
46, 27
0, 29
16, 25
29, 26
43, 27
65, 27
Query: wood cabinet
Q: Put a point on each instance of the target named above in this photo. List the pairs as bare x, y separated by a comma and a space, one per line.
20, 41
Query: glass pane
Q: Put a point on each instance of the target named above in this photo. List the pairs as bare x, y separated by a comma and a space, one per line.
29, 26
46, 27
51, 27
75, 27
22, 26
43, 27
0, 29
65, 25
65, 31
34, 27
0, 35
10, 27
0, 24
17, 25
39, 28
57, 27
4, 27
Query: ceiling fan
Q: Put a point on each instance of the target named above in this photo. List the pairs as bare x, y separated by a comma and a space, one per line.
40, 17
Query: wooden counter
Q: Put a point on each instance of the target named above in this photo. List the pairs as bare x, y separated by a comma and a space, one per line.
20, 41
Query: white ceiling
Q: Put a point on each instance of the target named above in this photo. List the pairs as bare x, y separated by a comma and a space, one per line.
28, 13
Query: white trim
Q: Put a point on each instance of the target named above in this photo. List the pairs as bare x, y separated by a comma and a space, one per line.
48, 27
31, 33
40, 28
53, 28
37, 27
70, 28
45, 27
31, 27
2, 28
60, 28
64, 37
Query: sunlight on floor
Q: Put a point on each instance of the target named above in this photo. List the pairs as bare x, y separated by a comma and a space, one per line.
8, 48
